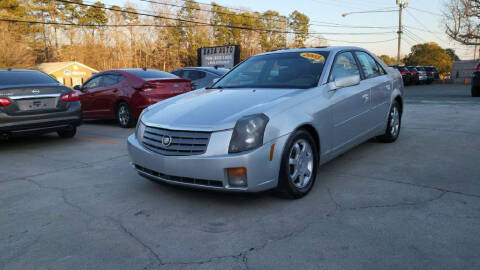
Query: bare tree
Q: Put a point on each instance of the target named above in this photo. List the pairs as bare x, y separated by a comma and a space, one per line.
462, 21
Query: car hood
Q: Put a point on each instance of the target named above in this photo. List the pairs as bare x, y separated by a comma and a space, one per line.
213, 109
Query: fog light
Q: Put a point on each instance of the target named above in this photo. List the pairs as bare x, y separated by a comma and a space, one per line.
237, 177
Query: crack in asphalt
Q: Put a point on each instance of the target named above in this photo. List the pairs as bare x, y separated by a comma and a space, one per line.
84, 165
243, 255
138, 240
92, 216
19, 253
444, 130
412, 184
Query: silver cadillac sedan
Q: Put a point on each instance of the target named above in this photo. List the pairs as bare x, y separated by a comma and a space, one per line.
270, 122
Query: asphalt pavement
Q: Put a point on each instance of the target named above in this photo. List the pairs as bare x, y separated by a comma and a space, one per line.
414, 204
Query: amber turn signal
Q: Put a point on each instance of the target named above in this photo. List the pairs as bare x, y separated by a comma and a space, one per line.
237, 177
272, 151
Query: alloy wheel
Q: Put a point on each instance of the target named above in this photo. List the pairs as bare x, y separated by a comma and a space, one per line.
300, 163
123, 115
394, 121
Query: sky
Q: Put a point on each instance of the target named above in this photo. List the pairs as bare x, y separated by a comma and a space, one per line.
422, 19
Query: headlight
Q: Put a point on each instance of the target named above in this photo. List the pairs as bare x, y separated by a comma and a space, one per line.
248, 133
140, 130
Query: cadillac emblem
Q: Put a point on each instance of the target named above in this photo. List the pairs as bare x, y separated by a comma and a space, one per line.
166, 140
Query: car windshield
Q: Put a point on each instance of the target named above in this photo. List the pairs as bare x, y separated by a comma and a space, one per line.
277, 70
13, 78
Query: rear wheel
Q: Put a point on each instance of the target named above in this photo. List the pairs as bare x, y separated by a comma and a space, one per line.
394, 124
124, 115
299, 166
68, 132
475, 91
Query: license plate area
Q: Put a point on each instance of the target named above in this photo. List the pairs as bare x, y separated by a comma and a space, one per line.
37, 104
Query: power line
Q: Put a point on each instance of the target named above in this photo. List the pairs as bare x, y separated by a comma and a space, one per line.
213, 25
94, 25
340, 4
219, 12
172, 26
426, 11
216, 5
285, 19
354, 42
351, 26
424, 30
418, 38
414, 37
424, 27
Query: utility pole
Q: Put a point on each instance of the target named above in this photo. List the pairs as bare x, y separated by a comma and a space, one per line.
475, 50
401, 6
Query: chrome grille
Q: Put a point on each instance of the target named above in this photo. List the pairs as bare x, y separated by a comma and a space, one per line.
181, 142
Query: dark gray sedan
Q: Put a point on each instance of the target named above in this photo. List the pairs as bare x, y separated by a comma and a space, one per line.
33, 102
200, 76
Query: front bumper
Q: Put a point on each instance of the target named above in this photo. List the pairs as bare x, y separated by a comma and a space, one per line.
208, 170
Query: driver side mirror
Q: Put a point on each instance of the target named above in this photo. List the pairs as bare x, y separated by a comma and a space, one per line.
77, 87
344, 82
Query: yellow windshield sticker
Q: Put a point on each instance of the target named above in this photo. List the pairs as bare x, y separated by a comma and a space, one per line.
315, 57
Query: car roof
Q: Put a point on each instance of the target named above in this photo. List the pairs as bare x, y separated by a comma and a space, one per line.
316, 49
19, 70
129, 69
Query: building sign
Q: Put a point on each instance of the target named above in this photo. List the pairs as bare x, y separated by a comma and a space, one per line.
220, 56
74, 73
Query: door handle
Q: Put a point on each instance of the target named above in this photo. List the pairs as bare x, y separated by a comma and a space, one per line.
365, 97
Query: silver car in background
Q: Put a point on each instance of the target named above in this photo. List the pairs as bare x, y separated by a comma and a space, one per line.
422, 74
270, 122
201, 77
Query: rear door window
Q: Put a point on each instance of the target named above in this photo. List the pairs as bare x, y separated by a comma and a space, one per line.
193, 74
12, 78
111, 79
369, 66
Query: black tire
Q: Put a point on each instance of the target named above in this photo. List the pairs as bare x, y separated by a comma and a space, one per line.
67, 133
124, 115
391, 134
475, 92
286, 185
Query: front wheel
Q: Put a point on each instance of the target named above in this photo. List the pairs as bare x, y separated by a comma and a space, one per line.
124, 115
394, 124
298, 170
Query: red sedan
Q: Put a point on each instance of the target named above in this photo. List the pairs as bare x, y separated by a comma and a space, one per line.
122, 94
